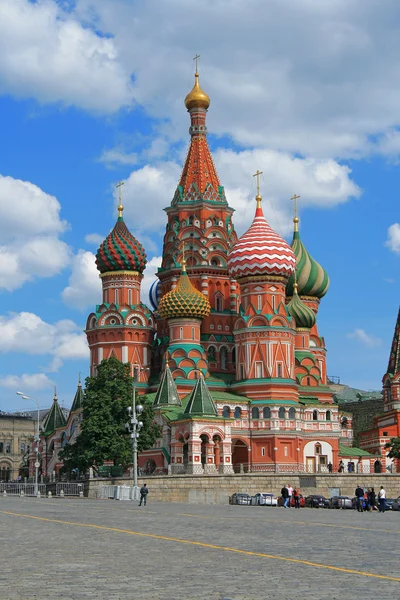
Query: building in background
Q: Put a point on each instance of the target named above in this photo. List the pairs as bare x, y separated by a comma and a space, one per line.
16, 437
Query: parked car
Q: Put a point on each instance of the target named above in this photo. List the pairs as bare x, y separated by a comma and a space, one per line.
341, 502
396, 504
266, 499
317, 501
389, 503
301, 499
240, 498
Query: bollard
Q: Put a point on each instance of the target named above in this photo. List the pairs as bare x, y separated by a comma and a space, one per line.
22, 494
80, 494
39, 495
4, 493
62, 494
49, 495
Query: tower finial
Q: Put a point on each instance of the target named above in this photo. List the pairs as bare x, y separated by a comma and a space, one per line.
196, 58
55, 394
120, 206
196, 98
183, 258
79, 379
258, 197
295, 218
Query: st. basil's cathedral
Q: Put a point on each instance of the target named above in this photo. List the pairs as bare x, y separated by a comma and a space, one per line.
229, 353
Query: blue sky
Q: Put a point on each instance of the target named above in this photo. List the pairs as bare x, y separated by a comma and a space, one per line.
92, 93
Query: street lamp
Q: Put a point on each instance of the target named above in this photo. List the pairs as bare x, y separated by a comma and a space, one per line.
36, 438
134, 426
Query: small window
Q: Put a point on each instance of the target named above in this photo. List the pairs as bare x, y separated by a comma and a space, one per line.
129, 297
192, 333
226, 412
238, 413
262, 451
22, 448
315, 415
328, 415
285, 451
255, 413
282, 413
273, 302
308, 381
8, 447
218, 304
214, 263
1, 447
259, 306
318, 448
116, 296
267, 412
279, 368
344, 422
385, 433
181, 333
292, 413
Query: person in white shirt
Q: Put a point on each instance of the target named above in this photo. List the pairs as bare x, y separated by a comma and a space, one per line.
382, 499
290, 491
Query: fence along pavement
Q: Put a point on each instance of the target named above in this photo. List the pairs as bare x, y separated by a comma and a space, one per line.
15, 489
118, 492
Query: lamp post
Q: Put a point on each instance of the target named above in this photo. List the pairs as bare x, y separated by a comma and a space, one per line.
36, 438
134, 426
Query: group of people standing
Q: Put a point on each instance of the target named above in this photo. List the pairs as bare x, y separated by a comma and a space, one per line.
369, 500
288, 494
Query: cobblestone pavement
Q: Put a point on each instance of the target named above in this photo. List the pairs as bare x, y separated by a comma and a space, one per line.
104, 549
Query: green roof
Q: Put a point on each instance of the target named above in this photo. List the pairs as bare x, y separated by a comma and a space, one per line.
348, 451
167, 394
54, 419
217, 395
394, 358
269, 401
200, 401
77, 404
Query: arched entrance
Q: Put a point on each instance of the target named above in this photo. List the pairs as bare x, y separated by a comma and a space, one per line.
240, 454
5, 472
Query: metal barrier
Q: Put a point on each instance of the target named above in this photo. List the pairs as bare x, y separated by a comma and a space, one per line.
118, 492
69, 489
27, 489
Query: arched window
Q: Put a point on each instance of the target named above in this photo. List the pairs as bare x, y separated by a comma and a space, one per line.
318, 449
315, 415
267, 412
255, 413
211, 353
223, 355
238, 413
8, 447
1, 447
292, 413
344, 422
22, 448
328, 416
214, 263
226, 412
281, 413
308, 381
234, 357
219, 303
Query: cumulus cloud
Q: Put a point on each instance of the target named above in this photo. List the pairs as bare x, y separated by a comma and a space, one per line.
51, 56
30, 246
393, 241
117, 156
34, 381
94, 238
84, 285
365, 338
26, 332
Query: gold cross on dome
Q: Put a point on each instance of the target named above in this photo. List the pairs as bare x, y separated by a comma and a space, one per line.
295, 198
196, 58
258, 180
119, 188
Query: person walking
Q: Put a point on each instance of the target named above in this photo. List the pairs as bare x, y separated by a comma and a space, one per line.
296, 496
285, 496
330, 467
359, 493
144, 490
382, 499
372, 499
290, 492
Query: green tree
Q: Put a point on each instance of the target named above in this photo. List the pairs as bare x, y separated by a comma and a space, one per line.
103, 435
394, 446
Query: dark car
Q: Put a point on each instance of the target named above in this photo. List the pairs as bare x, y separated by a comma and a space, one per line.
317, 501
389, 503
302, 501
240, 498
341, 502
396, 504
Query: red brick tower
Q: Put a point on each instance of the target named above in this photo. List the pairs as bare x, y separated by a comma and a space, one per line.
122, 325
200, 218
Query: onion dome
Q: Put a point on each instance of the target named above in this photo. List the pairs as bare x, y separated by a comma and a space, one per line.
121, 251
302, 314
184, 301
312, 279
261, 251
153, 294
196, 98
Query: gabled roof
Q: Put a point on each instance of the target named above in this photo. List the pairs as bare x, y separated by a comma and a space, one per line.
167, 394
200, 401
55, 418
77, 404
394, 358
348, 451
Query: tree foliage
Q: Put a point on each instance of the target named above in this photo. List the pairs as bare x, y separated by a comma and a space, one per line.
103, 435
394, 446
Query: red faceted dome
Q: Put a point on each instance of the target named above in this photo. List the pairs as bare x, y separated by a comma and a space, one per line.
121, 251
261, 251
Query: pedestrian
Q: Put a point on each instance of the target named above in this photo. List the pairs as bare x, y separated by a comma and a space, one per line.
359, 493
330, 467
296, 496
290, 492
144, 490
341, 467
372, 499
285, 496
382, 499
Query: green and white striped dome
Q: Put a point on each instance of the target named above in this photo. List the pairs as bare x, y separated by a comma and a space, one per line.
312, 279
302, 314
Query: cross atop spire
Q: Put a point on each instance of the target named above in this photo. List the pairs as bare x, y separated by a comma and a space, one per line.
120, 206
196, 58
258, 197
295, 218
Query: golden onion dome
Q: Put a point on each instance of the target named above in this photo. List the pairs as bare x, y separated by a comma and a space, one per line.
196, 98
184, 301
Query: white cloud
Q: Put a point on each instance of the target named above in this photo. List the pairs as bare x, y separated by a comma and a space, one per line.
365, 338
84, 284
117, 156
29, 228
94, 238
27, 333
149, 276
320, 182
51, 56
34, 381
393, 241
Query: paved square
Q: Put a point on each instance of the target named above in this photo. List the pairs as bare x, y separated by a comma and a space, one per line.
104, 549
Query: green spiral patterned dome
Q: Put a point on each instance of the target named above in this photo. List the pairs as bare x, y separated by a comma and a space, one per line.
121, 251
302, 314
184, 301
312, 279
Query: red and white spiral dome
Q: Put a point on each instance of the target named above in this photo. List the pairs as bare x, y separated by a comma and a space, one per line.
261, 251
